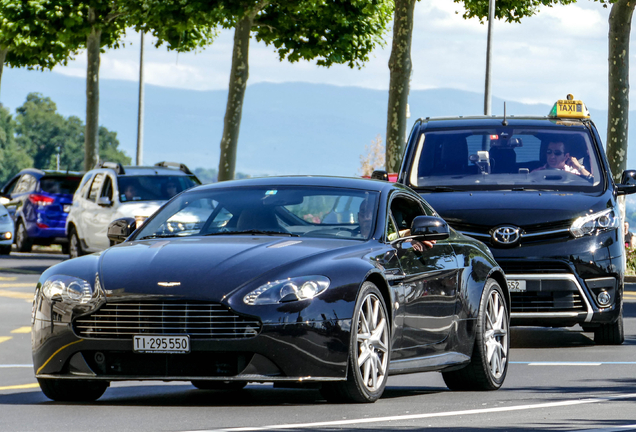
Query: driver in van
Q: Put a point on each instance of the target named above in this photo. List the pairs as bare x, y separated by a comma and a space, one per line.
557, 157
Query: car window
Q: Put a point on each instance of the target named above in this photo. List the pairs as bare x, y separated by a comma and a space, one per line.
85, 185
59, 185
9, 188
96, 187
403, 211
26, 183
107, 189
300, 211
152, 187
507, 157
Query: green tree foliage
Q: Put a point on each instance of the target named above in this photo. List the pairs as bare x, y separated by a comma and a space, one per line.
33, 33
507, 10
12, 157
40, 130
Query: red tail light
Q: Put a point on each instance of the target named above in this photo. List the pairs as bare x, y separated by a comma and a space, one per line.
41, 200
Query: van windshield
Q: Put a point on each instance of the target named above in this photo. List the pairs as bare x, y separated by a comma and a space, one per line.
502, 158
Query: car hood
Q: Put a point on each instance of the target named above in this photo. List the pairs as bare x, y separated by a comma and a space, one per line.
491, 208
202, 268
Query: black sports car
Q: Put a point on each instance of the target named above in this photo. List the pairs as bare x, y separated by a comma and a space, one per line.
296, 280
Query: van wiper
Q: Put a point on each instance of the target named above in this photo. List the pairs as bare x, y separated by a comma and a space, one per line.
255, 232
437, 189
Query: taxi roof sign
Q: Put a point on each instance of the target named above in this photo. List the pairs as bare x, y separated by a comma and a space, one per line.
569, 108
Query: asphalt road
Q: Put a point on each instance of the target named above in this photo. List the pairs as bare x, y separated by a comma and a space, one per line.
558, 380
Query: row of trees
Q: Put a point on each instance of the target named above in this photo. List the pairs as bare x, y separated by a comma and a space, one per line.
44, 33
33, 137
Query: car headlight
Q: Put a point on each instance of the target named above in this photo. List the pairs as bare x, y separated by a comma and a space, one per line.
595, 223
70, 289
286, 290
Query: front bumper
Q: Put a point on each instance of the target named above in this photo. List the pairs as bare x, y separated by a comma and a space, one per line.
564, 278
297, 352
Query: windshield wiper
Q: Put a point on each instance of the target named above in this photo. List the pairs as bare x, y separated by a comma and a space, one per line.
437, 189
255, 232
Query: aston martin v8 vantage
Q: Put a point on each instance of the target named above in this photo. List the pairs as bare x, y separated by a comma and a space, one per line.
329, 282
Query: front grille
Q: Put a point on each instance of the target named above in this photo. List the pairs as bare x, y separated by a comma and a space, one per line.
550, 301
529, 233
533, 267
199, 320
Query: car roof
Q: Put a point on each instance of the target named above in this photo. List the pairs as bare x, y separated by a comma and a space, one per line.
318, 181
40, 173
496, 121
134, 170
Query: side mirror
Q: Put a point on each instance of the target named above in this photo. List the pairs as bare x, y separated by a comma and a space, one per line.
628, 183
429, 228
120, 229
380, 175
104, 201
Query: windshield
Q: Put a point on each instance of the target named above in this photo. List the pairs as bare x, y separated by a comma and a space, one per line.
283, 210
152, 187
517, 158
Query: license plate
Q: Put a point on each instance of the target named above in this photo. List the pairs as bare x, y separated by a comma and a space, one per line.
161, 344
67, 208
516, 285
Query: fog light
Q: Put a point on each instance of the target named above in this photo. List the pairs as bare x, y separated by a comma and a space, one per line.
7, 235
603, 298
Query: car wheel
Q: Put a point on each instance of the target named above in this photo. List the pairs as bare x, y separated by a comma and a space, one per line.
65, 248
75, 245
72, 390
219, 385
22, 241
369, 351
489, 362
610, 334
5, 250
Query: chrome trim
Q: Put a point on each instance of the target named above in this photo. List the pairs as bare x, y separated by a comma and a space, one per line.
544, 233
554, 276
472, 234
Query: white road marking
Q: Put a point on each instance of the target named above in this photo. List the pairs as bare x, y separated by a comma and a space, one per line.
564, 364
16, 366
427, 415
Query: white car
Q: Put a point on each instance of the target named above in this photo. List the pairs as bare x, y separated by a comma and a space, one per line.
113, 191
6, 231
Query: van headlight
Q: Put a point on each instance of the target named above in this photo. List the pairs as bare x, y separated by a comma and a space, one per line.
595, 223
286, 290
70, 289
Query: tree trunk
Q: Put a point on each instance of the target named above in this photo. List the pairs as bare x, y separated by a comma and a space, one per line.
3, 56
91, 141
236, 94
400, 69
620, 23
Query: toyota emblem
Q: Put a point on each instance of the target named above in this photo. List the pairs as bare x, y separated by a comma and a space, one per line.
506, 235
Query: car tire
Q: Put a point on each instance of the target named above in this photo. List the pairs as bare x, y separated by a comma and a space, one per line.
65, 248
489, 362
23, 243
610, 334
5, 250
64, 390
219, 385
75, 245
369, 351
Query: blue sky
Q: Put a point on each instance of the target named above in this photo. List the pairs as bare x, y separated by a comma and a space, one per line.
560, 50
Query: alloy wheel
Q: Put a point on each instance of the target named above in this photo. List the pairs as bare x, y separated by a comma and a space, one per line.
373, 343
496, 335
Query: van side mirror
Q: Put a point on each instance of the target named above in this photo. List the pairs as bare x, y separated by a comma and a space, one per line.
628, 183
429, 228
104, 201
120, 229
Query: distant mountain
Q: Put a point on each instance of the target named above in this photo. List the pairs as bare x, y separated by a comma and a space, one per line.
290, 128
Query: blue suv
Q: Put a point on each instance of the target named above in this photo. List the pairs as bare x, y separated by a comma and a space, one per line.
39, 201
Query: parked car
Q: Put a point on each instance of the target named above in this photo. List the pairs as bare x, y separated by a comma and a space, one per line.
112, 191
292, 280
539, 192
6, 231
39, 201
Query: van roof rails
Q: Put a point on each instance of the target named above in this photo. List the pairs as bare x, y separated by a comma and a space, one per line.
178, 165
118, 167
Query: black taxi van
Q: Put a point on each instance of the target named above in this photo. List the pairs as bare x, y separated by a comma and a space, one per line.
539, 192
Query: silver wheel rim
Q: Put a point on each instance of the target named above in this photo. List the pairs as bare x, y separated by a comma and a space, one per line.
21, 236
373, 343
496, 335
72, 249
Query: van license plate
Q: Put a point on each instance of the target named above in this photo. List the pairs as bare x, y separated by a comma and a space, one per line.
161, 344
516, 285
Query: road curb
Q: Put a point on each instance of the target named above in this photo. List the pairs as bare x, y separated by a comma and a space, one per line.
630, 279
